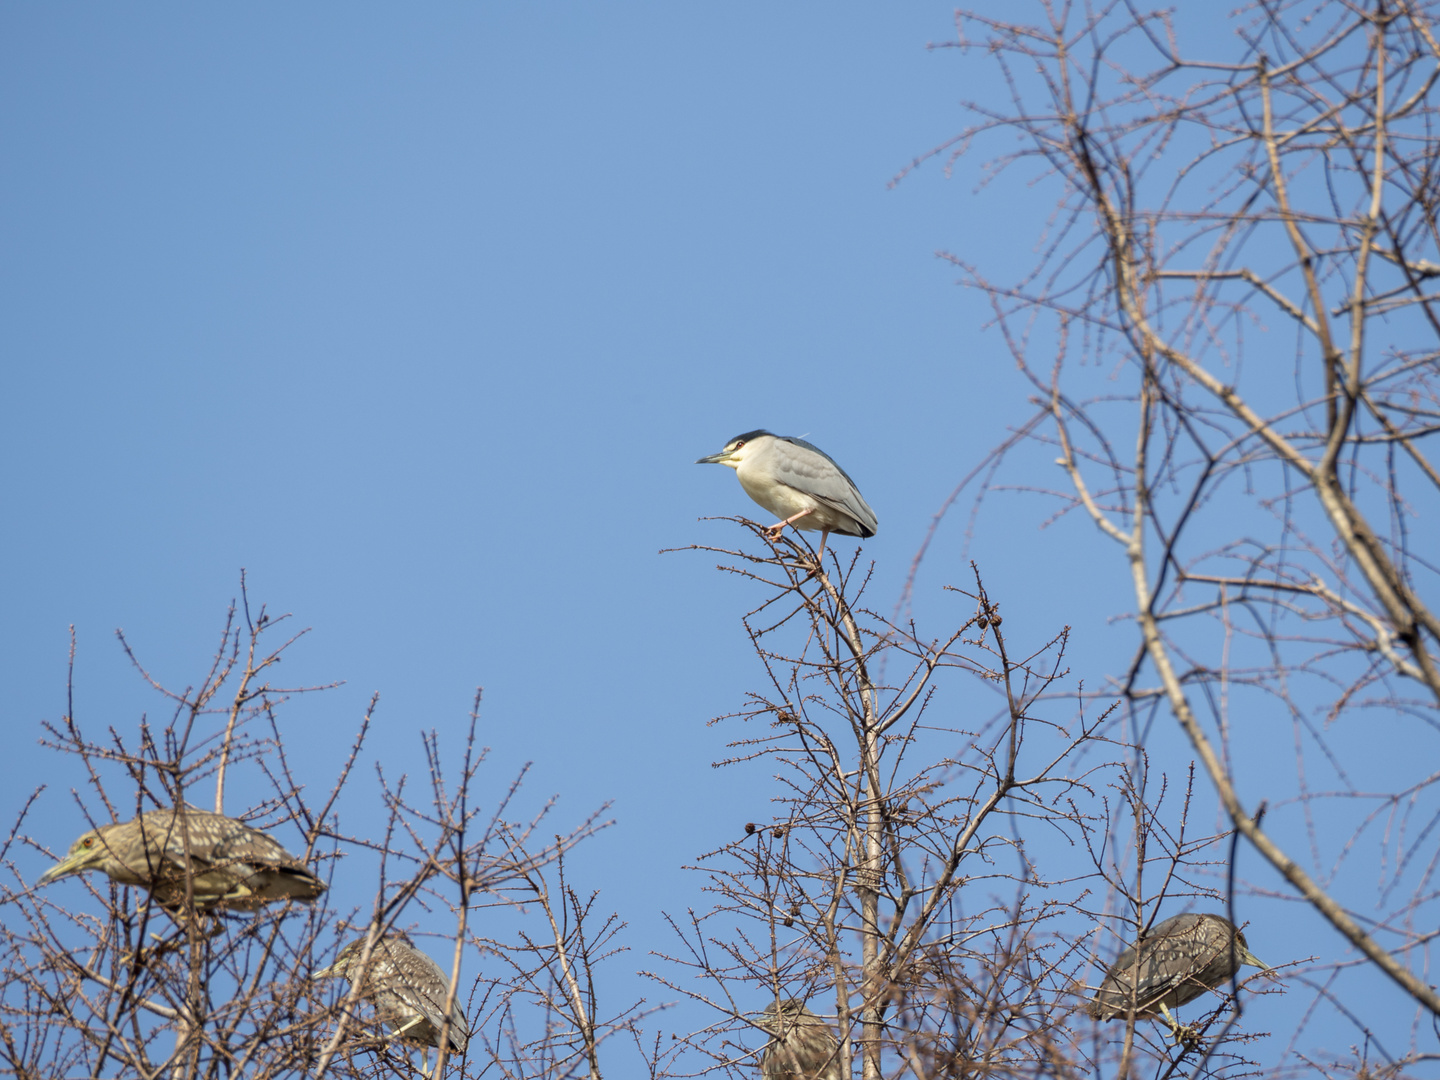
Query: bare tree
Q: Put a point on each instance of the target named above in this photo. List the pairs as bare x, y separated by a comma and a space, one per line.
126, 980
1213, 215
932, 873
928, 884
545, 1016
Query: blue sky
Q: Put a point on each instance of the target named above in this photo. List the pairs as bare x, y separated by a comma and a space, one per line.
423, 319
422, 315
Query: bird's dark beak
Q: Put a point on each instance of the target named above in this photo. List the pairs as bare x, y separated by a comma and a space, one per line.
713, 459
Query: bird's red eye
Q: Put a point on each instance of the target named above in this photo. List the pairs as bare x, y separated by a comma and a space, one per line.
88, 842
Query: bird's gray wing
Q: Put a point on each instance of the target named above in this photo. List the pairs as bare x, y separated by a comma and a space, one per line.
823, 480
219, 842
1166, 963
431, 987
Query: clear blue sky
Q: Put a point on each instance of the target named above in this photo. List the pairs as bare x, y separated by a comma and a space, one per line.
422, 314
423, 318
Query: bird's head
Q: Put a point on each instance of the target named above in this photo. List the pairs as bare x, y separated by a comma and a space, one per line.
736, 449
779, 1015
349, 956
1245, 956
341, 966
87, 853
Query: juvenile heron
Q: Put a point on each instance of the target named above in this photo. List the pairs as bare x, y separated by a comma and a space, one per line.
227, 863
1177, 961
798, 482
407, 988
801, 1046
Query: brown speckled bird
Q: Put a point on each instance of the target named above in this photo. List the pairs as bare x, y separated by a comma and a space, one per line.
227, 863
801, 1047
407, 988
1177, 961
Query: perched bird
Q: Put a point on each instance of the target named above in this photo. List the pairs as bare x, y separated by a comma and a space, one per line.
801, 1046
1177, 961
407, 988
227, 863
799, 482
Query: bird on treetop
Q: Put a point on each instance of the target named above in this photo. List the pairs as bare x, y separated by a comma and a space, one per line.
801, 1046
799, 482
218, 861
1175, 962
407, 988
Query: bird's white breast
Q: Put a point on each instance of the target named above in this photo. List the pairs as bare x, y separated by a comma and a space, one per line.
780, 499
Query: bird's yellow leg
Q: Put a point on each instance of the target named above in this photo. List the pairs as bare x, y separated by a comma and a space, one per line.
1179, 1033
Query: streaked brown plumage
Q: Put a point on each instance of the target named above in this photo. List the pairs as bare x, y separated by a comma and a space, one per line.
228, 864
407, 988
801, 1047
1178, 960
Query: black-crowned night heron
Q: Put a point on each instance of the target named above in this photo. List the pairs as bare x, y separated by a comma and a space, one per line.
801, 1046
407, 988
1177, 961
797, 482
228, 864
